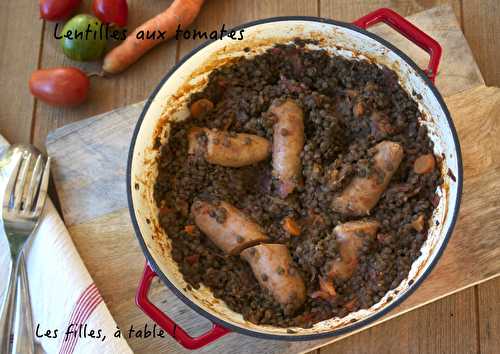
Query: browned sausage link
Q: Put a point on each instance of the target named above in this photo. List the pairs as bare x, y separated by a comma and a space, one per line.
227, 227
350, 238
274, 269
288, 142
228, 149
363, 193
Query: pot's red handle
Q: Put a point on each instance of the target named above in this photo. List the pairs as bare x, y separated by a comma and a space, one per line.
165, 322
408, 30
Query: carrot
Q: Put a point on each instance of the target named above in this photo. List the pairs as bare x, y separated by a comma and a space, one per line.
359, 109
193, 259
189, 229
327, 290
203, 105
418, 223
165, 210
424, 164
290, 226
351, 304
180, 12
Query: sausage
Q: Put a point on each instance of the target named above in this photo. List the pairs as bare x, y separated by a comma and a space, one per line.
228, 149
350, 237
363, 193
227, 227
273, 267
288, 142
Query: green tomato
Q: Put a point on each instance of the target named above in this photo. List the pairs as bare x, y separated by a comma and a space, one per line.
84, 38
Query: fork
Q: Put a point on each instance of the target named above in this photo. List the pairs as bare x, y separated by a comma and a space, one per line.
21, 209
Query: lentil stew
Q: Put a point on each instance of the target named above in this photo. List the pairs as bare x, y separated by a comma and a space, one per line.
296, 147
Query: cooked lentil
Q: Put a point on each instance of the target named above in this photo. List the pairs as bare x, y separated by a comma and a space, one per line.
349, 106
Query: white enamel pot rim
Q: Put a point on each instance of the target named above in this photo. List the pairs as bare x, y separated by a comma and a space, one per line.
449, 210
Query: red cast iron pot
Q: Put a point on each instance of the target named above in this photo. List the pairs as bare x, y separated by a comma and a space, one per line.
168, 103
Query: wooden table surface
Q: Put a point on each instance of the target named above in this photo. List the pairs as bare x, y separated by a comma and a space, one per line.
466, 322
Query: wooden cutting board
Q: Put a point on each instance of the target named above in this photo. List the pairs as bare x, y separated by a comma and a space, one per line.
89, 172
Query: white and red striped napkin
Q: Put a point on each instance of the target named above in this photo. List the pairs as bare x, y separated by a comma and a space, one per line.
63, 294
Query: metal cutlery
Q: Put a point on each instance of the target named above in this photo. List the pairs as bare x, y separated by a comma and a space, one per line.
22, 206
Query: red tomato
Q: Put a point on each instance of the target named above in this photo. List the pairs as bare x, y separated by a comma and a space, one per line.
57, 10
111, 11
60, 86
